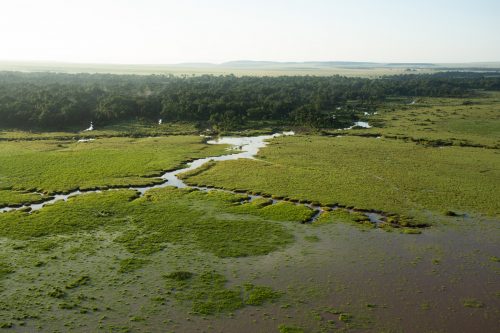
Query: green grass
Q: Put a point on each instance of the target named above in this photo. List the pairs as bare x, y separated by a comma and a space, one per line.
132, 264
280, 211
62, 166
5, 269
368, 173
81, 281
113, 261
440, 121
290, 329
343, 215
258, 295
81, 213
123, 129
216, 222
472, 303
207, 294
14, 198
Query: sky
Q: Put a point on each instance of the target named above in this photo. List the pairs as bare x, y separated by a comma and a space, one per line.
168, 31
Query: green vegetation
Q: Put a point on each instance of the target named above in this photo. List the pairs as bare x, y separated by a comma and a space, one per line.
13, 198
367, 173
129, 129
5, 269
207, 292
431, 122
132, 264
60, 166
184, 259
290, 329
280, 211
472, 303
57, 293
82, 280
162, 216
258, 295
345, 317
179, 276
343, 215
65, 101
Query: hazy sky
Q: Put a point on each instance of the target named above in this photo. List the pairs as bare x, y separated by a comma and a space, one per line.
167, 31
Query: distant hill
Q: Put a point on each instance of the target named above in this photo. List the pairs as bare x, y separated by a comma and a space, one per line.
305, 64
254, 68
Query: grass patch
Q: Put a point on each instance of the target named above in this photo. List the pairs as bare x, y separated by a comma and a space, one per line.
472, 303
57, 293
258, 295
438, 121
207, 294
290, 329
214, 221
17, 198
132, 264
81, 281
281, 211
5, 269
56, 166
367, 173
312, 238
344, 215
179, 276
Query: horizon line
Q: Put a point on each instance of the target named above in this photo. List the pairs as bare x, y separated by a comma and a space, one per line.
243, 60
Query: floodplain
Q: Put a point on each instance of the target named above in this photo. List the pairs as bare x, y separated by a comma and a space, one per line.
245, 255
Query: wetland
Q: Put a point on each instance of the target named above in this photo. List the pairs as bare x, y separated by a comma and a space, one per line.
388, 226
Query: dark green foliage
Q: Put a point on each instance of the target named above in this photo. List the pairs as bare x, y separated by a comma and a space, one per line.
61, 101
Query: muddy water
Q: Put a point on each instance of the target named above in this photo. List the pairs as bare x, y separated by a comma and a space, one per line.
389, 282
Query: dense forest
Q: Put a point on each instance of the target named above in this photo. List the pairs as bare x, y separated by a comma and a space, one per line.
59, 101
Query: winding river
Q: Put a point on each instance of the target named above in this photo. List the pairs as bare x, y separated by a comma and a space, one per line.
241, 147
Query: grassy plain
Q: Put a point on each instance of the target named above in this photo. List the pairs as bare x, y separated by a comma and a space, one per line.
142, 128
52, 166
435, 156
368, 173
439, 121
216, 222
186, 260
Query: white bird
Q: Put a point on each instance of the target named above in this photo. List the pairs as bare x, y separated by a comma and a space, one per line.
91, 128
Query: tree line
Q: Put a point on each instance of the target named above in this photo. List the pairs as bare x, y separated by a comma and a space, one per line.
62, 101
